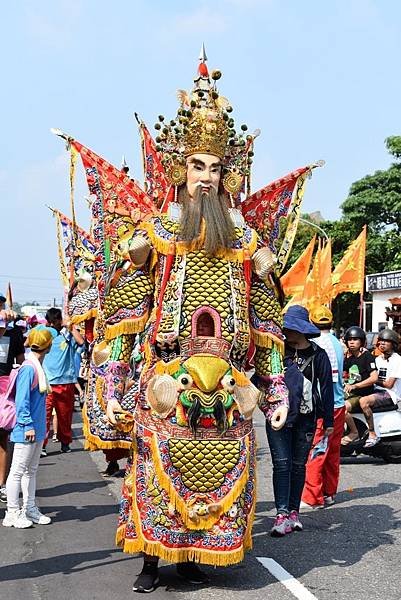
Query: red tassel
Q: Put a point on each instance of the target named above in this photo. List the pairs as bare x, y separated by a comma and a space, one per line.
202, 70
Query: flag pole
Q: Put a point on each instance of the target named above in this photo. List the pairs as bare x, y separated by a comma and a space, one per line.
9, 296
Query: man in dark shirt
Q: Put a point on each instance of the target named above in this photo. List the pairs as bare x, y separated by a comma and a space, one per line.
360, 377
11, 351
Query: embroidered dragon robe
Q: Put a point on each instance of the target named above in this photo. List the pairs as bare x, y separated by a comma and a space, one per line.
189, 491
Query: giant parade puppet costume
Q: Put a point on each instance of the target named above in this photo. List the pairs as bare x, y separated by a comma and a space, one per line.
204, 293
187, 302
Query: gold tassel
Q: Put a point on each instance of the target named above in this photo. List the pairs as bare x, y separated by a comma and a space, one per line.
127, 326
169, 368
90, 314
216, 558
94, 443
248, 543
99, 392
266, 340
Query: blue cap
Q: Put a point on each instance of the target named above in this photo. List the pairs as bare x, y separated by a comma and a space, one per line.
297, 319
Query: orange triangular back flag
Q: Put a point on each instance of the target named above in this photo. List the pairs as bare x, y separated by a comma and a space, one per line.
310, 292
294, 280
349, 274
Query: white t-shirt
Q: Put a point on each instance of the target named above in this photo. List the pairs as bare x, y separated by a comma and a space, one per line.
391, 368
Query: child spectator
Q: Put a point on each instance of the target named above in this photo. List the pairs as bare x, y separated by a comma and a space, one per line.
28, 435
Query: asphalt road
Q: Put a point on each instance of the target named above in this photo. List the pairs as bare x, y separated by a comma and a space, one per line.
351, 551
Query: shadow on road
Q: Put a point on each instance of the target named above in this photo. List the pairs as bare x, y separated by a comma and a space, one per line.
367, 492
340, 535
70, 488
62, 563
83, 514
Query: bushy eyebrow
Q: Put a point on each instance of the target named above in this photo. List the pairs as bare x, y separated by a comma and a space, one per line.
200, 163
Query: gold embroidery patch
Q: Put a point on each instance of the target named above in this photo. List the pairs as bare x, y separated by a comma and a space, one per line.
203, 464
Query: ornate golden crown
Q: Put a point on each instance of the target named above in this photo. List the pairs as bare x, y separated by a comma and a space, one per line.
206, 133
204, 125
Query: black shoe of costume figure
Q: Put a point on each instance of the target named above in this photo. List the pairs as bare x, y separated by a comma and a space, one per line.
112, 469
147, 580
65, 448
192, 573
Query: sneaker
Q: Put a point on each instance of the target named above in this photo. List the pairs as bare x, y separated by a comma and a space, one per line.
281, 526
36, 516
54, 438
147, 580
329, 500
306, 506
371, 442
192, 573
65, 448
43, 452
3, 494
295, 523
17, 519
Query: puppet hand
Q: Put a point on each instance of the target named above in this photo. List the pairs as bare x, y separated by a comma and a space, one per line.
263, 262
113, 407
279, 418
139, 249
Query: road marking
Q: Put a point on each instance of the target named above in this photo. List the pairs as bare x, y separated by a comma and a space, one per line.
293, 585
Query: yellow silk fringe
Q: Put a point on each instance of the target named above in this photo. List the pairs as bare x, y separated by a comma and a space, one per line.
90, 314
99, 392
180, 505
248, 535
127, 326
181, 248
266, 340
216, 558
94, 443
170, 368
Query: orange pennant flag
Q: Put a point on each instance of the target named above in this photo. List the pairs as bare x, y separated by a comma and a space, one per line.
293, 281
310, 293
349, 274
326, 288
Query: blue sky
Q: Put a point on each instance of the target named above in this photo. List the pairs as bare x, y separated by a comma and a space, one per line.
320, 79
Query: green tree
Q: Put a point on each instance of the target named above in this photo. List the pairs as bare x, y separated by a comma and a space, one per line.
374, 200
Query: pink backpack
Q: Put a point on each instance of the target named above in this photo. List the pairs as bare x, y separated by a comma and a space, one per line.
8, 415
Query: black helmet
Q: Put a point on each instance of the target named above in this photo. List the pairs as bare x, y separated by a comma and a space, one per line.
355, 332
389, 335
